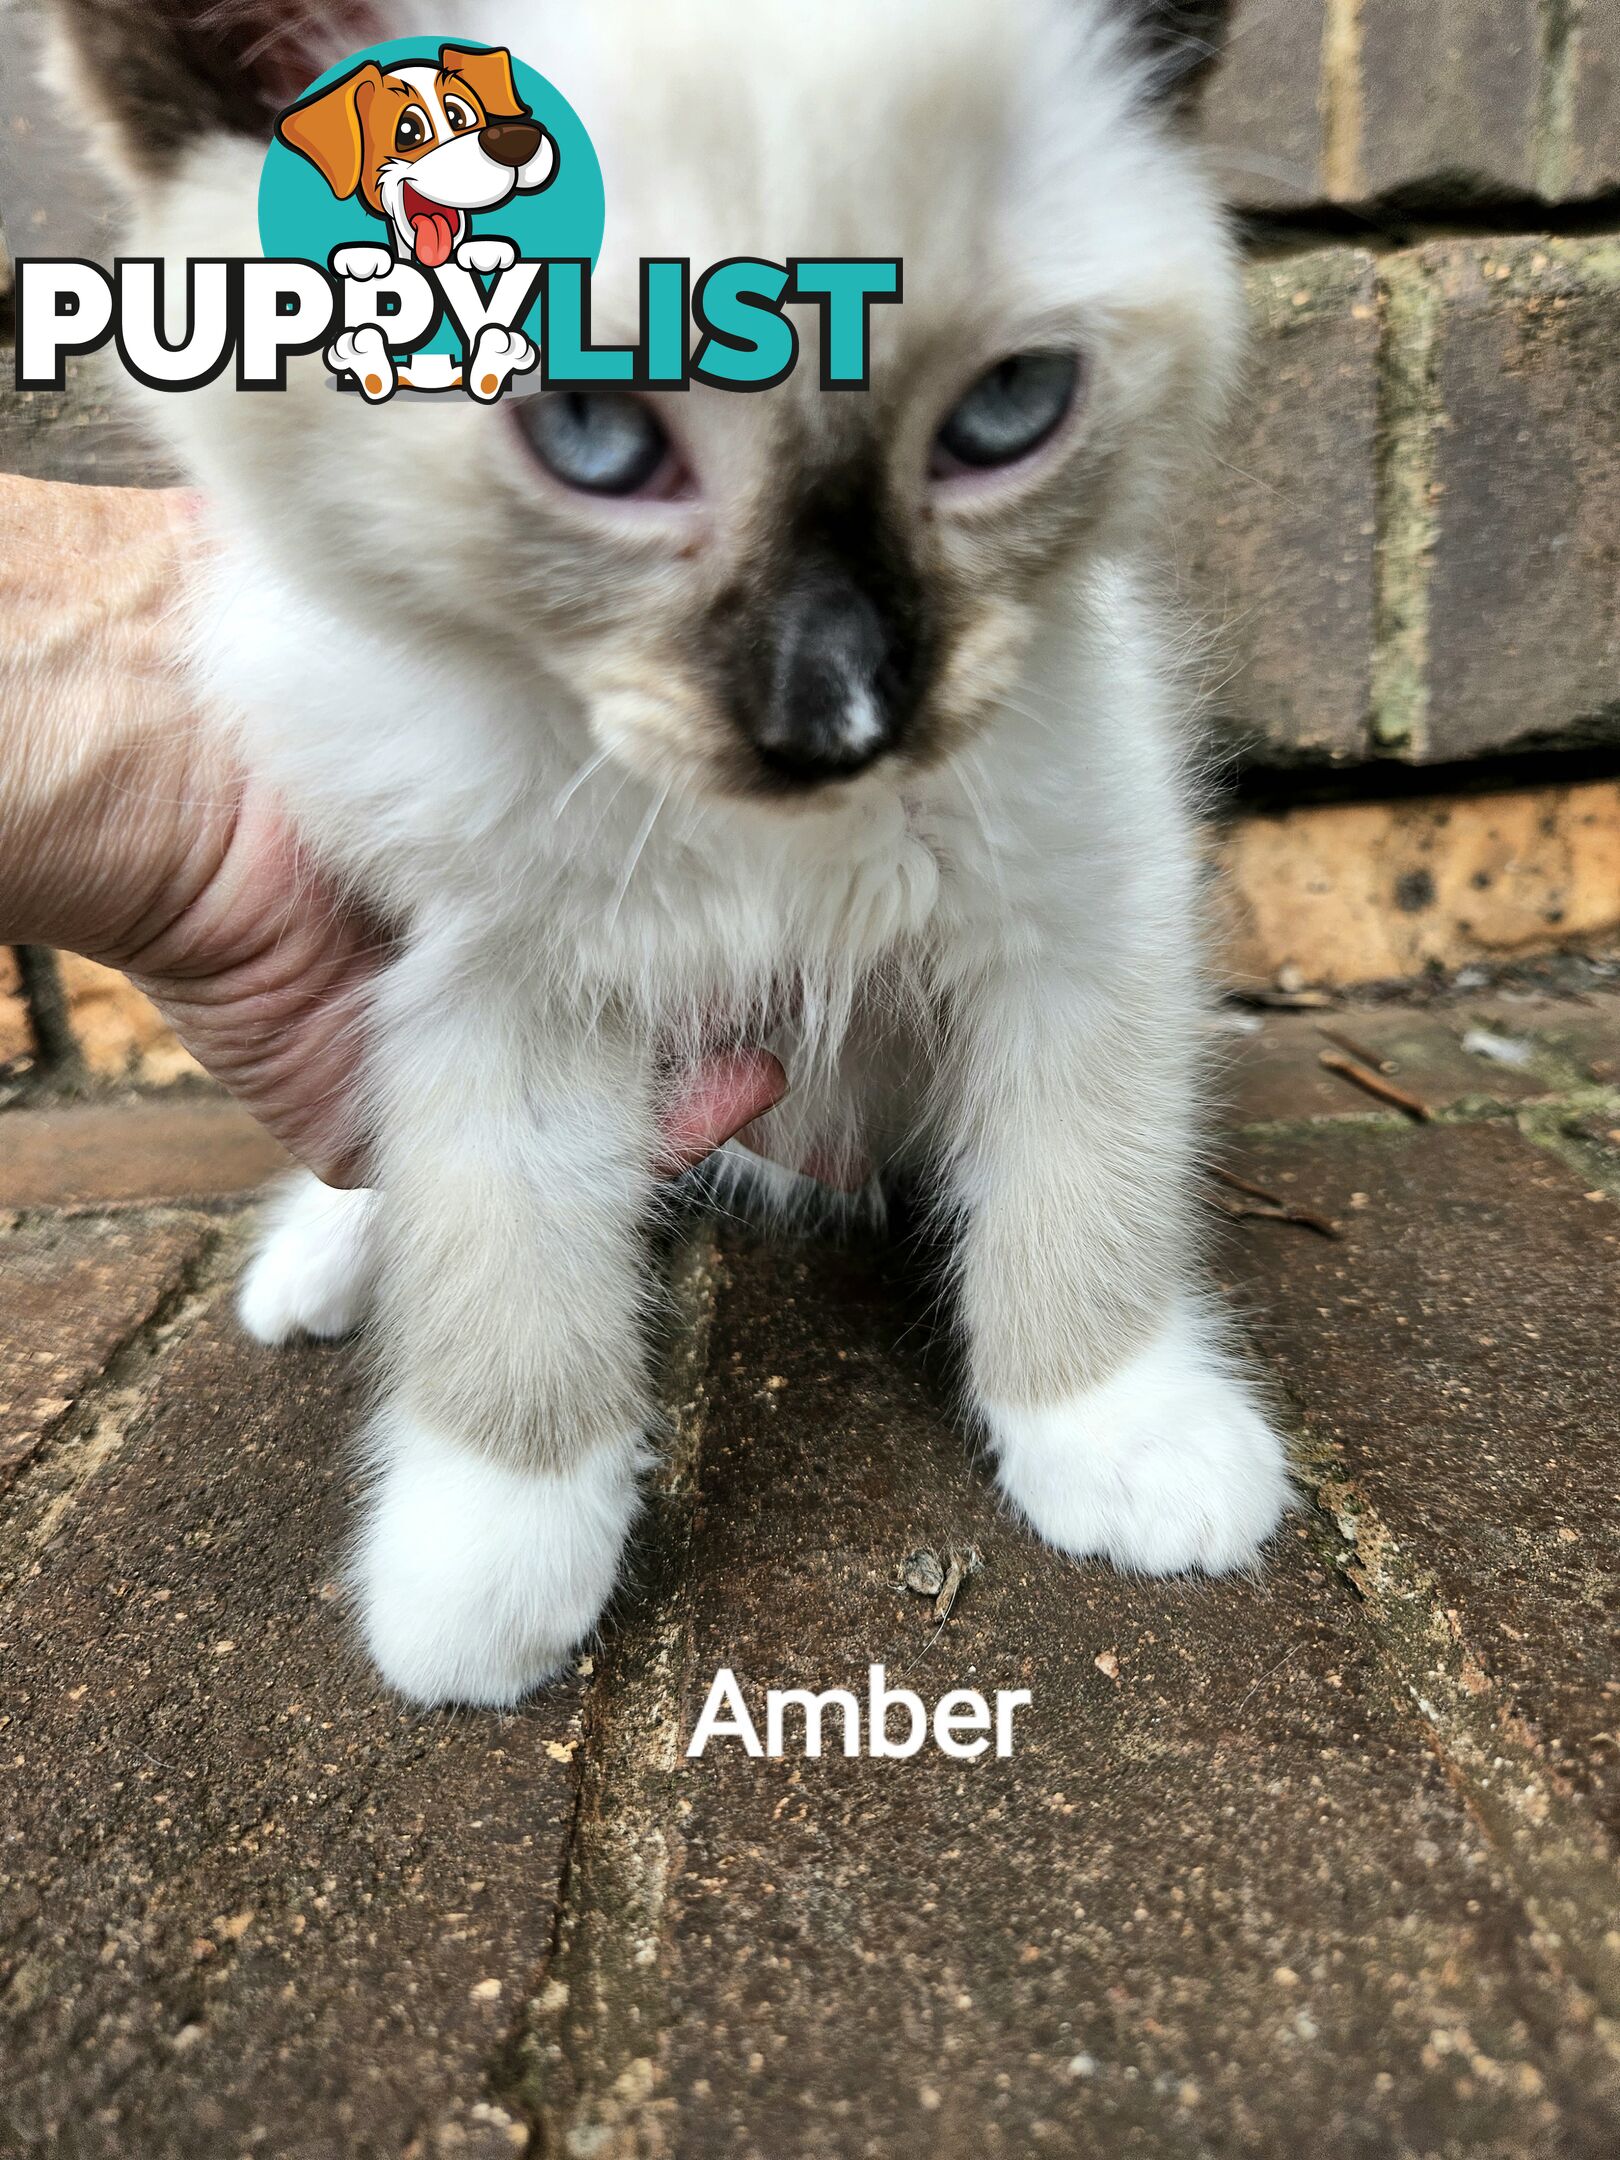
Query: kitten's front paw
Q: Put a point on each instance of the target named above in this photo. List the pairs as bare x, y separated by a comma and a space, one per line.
1169, 1465
477, 1581
314, 1272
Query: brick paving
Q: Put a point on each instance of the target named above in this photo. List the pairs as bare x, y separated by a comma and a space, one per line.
1322, 1861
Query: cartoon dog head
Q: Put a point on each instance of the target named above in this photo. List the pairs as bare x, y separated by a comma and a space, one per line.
423, 145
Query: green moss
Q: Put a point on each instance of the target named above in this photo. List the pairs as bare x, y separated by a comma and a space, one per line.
1406, 523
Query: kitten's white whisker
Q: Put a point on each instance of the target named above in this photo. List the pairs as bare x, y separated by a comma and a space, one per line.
641, 840
975, 803
586, 772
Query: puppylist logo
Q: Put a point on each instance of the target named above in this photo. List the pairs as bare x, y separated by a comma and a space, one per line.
431, 215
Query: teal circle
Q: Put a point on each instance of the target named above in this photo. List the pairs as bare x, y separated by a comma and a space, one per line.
300, 216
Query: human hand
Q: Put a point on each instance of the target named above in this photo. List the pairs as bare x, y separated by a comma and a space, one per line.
128, 834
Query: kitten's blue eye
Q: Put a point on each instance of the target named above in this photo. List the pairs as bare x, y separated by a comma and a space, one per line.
602, 442
1020, 404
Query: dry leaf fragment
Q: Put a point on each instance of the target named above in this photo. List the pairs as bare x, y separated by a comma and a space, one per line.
922, 1574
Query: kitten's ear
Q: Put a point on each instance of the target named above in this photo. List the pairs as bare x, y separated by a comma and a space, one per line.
1182, 38
152, 77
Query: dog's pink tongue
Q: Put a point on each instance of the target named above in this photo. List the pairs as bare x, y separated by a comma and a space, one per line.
435, 232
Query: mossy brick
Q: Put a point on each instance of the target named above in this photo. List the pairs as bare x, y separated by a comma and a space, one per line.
1576, 1040
1523, 470
1277, 1072
1286, 544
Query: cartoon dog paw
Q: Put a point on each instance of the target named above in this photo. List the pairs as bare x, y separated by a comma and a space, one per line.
496, 357
362, 262
486, 256
364, 355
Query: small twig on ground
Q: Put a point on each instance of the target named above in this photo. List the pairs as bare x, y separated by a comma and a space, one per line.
1242, 1185
1373, 1083
1284, 1000
1268, 1207
1348, 1043
1257, 1211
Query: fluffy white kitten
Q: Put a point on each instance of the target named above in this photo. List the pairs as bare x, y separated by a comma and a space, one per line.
849, 720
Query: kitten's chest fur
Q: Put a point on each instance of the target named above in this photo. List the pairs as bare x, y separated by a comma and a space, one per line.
464, 793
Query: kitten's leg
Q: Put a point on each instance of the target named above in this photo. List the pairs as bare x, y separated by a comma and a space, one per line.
315, 1267
1122, 1423
515, 1163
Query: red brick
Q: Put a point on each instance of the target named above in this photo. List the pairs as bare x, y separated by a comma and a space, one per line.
1523, 631
1449, 93
1287, 548
1457, 1360
252, 1903
1105, 1943
1362, 102
1591, 157
1262, 114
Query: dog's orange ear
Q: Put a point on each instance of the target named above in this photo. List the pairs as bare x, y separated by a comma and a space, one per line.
329, 129
489, 77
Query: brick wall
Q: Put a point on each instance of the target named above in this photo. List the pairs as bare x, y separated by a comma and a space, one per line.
1427, 105
1414, 540
1412, 548
1409, 556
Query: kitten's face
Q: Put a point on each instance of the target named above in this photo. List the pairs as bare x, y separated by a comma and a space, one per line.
769, 595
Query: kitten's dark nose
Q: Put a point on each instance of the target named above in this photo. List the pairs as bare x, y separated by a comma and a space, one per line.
825, 702
510, 142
